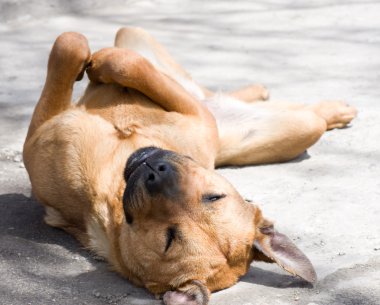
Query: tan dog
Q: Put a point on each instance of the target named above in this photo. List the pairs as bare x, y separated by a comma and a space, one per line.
171, 223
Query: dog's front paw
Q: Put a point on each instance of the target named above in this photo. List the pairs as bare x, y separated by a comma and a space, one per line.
101, 66
193, 293
69, 56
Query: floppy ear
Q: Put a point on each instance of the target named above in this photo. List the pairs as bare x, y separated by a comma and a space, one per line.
192, 293
281, 250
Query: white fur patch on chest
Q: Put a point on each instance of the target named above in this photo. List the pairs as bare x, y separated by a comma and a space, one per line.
97, 225
54, 218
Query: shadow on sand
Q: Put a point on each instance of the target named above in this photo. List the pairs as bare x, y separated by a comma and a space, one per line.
27, 240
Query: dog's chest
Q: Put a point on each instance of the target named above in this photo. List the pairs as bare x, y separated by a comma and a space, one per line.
139, 122
170, 131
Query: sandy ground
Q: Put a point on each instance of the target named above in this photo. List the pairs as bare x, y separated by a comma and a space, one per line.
328, 200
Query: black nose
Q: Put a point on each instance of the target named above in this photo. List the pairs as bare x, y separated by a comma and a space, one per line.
160, 177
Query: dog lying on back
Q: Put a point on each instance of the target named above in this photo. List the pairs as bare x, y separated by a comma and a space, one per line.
129, 169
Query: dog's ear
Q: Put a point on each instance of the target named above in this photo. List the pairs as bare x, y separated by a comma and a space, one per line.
278, 248
192, 293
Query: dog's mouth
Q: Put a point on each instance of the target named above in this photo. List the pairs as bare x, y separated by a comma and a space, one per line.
138, 158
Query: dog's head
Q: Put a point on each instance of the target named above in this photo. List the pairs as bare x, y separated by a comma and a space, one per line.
187, 228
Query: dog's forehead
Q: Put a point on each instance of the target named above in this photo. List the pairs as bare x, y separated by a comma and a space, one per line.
194, 170
205, 177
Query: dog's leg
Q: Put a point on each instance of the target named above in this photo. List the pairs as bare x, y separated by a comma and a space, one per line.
143, 43
129, 69
272, 132
249, 94
67, 61
140, 41
146, 45
337, 114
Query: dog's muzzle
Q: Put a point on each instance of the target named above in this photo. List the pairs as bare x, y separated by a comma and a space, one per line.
137, 159
151, 171
155, 166
158, 176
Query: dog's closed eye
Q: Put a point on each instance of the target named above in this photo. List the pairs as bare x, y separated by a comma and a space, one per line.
207, 198
170, 236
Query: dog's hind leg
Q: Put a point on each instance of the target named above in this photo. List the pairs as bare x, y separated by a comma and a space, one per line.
271, 132
146, 45
131, 70
68, 58
250, 94
337, 114
140, 41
